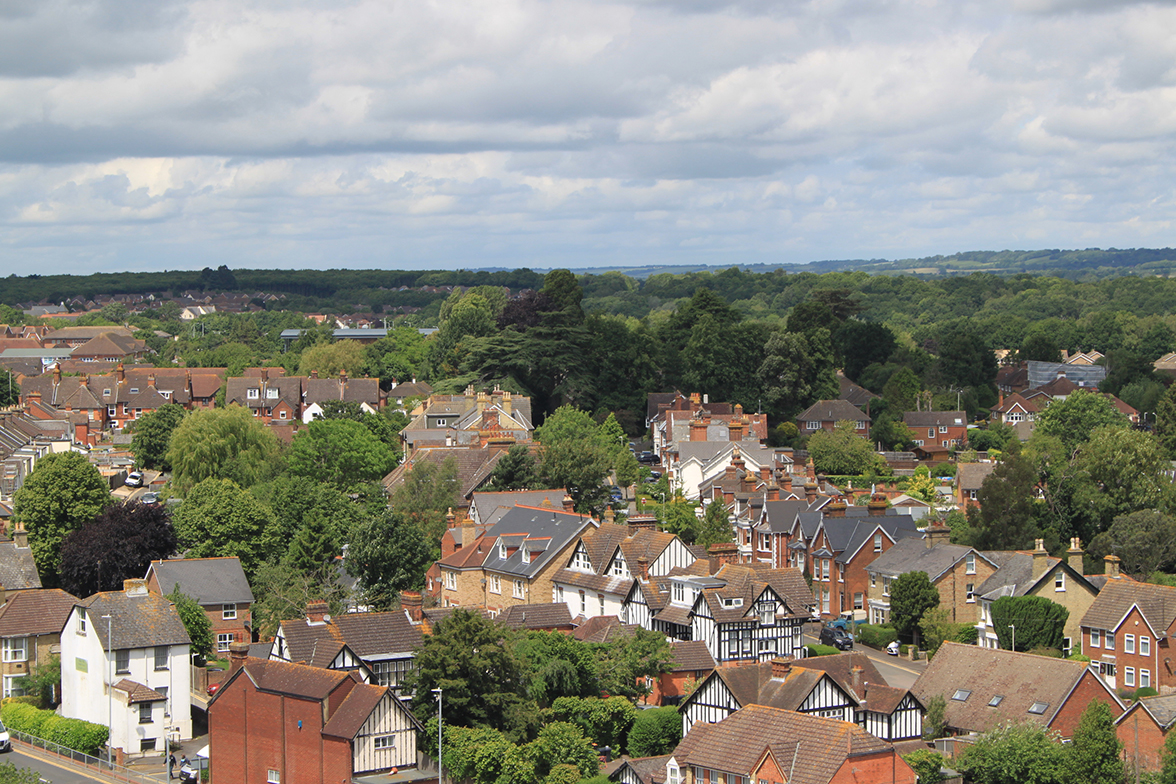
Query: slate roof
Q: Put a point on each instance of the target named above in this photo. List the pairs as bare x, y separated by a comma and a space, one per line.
935, 418
854, 394
18, 571
370, 636
1162, 708
207, 580
778, 516
142, 620
540, 532
35, 612
487, 503
818, 745
1020, 679
537, 616
356, 390
846, 535
913, 555
1157, 603
1015, 575
833, 411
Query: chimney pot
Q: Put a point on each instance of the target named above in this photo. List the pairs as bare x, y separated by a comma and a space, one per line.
1040, 558
1074, 555
20, 536
316, 612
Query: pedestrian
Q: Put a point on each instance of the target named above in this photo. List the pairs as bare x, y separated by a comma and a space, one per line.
171, 766
184, 762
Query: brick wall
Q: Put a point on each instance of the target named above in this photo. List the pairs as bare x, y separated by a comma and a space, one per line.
1088, 690
885, 766
953, 590
1140, 735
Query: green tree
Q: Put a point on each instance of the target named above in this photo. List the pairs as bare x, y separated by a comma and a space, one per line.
655, 732
1168, 760
574, 454
625, 663
304, 501
679, 517
327, 359
1145, 541
1074, 419
995, 436
223, 443
1006, 516
389, 554
314, 549
1093, 755
563, 743
842, 451
1040, 347
469, 657
283, 593
1038, 622
927, 765
862, 343
63, 493
218, 518
10, 774
152, 436
516, 470
716, 525
892, 433
1025, 753
937, 628
43, 682
1166, 422
428, 493
9, 389
341, 452
1118, 472
557, 667
195, 621
901, 392
935, 721
613, 434
796, 371
911, 595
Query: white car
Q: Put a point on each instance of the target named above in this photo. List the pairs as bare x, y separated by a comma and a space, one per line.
5, 740
134, 479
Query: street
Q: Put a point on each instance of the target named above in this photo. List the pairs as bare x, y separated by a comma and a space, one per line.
49, 772
899, 673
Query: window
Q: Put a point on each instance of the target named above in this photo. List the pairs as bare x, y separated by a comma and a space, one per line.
162, 651
134, 390
733, 602
765, 542
122, 661
858, 601
495, 584
502, 551
1038, 708
962, 695
273, 777
811, 425
825, 600
145, 715
106, 393
942, 429
885, 586
1095, 637
559, 593
600, 602
1128, 676
1060, 581
970, 563
384, 742
673, 774
1144, 678
282, 414
166, 394
110, 411
518, 589
147, 744
1109, 640
877, 543
13, 686
525, 552
679, 593
81, 621
1067, 646
996, 700
583, 603
931, 433
580, 561
229, 612
873, 580
271, 393
16, 649
391, 673
1144, 645
1106, 669
840, 572
1129, 643
825, 569
253, 394
450, 581
223, 641
441, 423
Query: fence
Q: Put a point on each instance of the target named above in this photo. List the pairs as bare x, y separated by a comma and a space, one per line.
90, 763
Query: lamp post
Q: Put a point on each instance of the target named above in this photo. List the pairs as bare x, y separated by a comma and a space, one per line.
438, 693
1013, 629
109, 692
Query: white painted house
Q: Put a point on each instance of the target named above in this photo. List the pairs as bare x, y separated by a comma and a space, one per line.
125, 663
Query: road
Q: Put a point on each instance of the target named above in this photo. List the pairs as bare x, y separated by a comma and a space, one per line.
48, 771
899, 673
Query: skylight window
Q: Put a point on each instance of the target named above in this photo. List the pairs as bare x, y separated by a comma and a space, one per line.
1038, 708
996, 700
961, 695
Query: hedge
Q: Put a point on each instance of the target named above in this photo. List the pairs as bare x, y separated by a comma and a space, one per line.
875, 636
74, 734
821, 650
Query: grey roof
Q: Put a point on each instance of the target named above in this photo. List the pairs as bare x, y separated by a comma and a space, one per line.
487, 503
913, 555
141, 620
935, 418
1162, 708
1041, 373
17, 568
207, 580
540, 532
294, 334
32, 353
833, 411
846, 535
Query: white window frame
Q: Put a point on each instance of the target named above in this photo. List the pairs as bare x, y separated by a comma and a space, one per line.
223, 641
145, 713
518, 589
1144, 678
1060, 581
161, 656
450, 580
970, 593
812, 425
1095, 638
271, 393
252, 394
1128, 676
14, 652
11, 689
228, 612
673, 773
970, 563
382, 742
1144, 645
495, 584
877, 543
273, 777
1109, 640
502, 551
1129, 643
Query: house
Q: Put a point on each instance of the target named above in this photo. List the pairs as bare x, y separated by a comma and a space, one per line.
696, 420
854, 394
825, 414
293, 724
985, 688
399, 393
765, 744
220, 588
110, 347
127, 652
30, 631
270, 397
969, 479
553, 617
72, 337
1143, 728
692, 664
1036, 574
716, 469
487, 507
514, 561
641, 770
18, 570
316, 391
956, 572
469, 419
846, 686
377, 646
1127, 632
474, 466
1019, 413
945, 429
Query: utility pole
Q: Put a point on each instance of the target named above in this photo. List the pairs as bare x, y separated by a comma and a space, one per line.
1013, 628
109, 692
439, 720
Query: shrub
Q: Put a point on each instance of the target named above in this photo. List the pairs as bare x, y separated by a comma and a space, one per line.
1146, 691
821, 650
75, 734
1078, 657
967, 634
655, 732
926, 764
563, 774
875, 636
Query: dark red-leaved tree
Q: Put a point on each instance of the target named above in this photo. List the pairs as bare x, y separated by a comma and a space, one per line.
116, 545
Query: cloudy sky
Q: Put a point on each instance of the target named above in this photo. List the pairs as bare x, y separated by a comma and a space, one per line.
157, 134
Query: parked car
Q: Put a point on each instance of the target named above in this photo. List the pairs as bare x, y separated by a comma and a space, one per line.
150, 499
838, 638
648, 457
5, 740
134, 479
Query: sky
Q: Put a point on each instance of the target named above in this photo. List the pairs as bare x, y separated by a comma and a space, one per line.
167, 134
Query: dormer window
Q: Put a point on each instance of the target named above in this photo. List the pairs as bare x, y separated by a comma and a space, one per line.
526, 555
271, 393
580, 561
733, 602
502, 551
253, 394
877, 543
166, 395
679, 593
106, 393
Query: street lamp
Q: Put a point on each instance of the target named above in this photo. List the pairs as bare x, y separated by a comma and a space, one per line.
109, 692
1013, 629
438, 693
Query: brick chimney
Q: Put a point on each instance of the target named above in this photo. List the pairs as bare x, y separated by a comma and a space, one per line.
643, 568
810, 490
569, 505
450, 518
57, 374
642, 521
1074, 555
120, 373
1112, 567
781, 668
238, 653
316, 613
773, 491
836, 507
467, 531
786, 485
765, 473
877, 504
314, 374
748, 484
20, 536
343, 376
937, 533
697, 429
1040, 558
410, 601
695, 401
722, 553
855, 675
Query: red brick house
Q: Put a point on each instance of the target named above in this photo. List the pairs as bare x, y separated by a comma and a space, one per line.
218, 585
692, 664
825, 414
1127, 632
774, 746
945, 429
284, 723
1142, 729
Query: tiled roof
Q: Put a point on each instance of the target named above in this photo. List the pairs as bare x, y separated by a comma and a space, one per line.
18, 571
603, 628
935, 418
473, 466
833, 411
1157, 603
819, 746
357, 390
137, 692
537, 616
854, 394
649, 770
882, 699
1014, 400
207, 580
298, 680
691, 656
369, 635
1019, 679
969, 476
40, 611
355, 709
142, 620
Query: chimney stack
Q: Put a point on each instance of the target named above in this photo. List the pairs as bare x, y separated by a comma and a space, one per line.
450, 519
722, 553
836, 507
1074, 555
877, 504
121, 373
781, 668
810, 490
467, 531
1040, 559
643, 567
1112, 567
20, 536
314, 374
856, 680
569, 505
316, 612
238, 653
135, 587
411, 602
937, 533
697, 429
